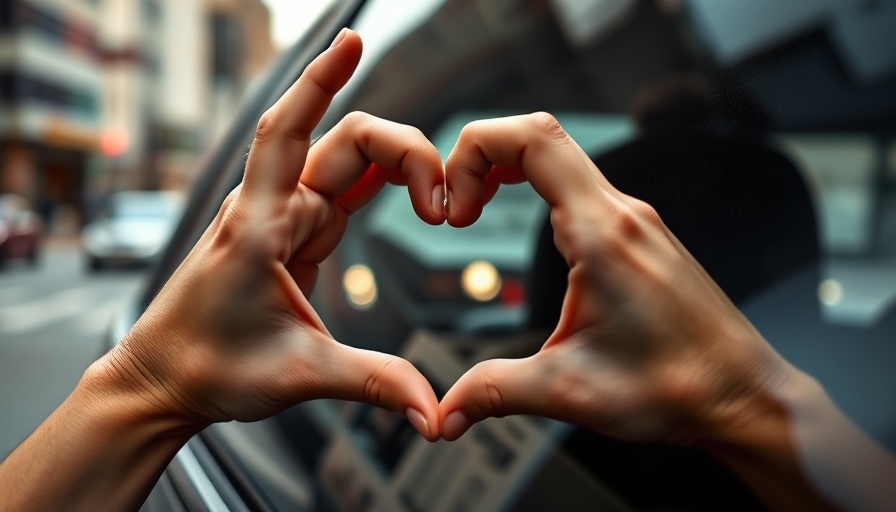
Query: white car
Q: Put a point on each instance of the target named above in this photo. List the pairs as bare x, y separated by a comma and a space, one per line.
133, 228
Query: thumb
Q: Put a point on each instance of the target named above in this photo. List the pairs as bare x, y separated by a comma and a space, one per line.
495, 388
385, 381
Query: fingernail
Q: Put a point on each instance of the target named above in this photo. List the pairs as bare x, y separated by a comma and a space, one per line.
438, 201
455, 425
418, 420
339, 37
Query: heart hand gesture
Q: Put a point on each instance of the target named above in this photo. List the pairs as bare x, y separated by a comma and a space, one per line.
232, 335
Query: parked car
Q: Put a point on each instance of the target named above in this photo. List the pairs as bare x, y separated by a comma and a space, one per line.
769, 162
133, 228
20, 230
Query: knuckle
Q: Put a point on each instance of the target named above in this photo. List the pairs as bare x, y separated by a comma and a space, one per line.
356, 119
626, 226
379, 379
495, 399
472, 173
488, 383
413, 134
471, 131
227, 204
574, 236
308, 79
646, 212
356, 125
611, 233
266, 126
228, 219
548, 125
611, 237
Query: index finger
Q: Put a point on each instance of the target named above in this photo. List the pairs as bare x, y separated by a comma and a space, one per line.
340, 164
283, 135
549, 159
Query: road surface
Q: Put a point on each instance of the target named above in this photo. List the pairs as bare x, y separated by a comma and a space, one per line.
52, 321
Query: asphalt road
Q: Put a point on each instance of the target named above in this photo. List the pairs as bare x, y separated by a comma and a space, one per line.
52, 321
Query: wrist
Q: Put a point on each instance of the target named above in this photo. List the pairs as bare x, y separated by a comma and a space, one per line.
730, 390
104, 446
131, 395
754, 416
755, 437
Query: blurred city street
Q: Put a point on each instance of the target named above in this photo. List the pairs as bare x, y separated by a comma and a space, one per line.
105, 108
52, 320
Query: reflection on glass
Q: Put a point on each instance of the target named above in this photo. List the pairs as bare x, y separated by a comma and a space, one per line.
830, 292
360, 286
481, 280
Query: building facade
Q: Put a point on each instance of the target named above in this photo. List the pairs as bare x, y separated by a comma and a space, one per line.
50, 94
105, 95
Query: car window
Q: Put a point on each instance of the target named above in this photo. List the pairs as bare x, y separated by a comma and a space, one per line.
764, 145
761, 131
757, 78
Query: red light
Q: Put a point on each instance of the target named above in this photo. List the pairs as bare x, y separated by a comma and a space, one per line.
512, 293
114, 142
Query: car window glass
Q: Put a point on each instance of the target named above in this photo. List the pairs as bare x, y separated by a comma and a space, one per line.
762, 130
668, 98
758, 78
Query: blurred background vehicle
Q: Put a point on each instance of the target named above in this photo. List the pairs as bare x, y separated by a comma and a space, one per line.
20, 230
133, 228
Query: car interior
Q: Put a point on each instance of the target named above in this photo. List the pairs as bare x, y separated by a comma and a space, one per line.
760, 134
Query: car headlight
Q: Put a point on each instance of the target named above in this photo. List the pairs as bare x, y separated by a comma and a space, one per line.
481, 281
360, 286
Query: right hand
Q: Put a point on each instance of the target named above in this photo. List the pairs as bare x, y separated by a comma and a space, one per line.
232, 334
648, 347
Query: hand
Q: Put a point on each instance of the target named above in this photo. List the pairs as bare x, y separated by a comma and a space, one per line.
232, 335
647, 348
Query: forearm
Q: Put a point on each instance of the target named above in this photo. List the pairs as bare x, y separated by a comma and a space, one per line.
102, 449
797, 451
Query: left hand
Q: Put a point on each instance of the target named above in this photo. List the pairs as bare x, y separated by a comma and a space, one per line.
232, 335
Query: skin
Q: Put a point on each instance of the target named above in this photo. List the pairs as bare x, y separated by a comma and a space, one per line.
232, 336
648, 348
